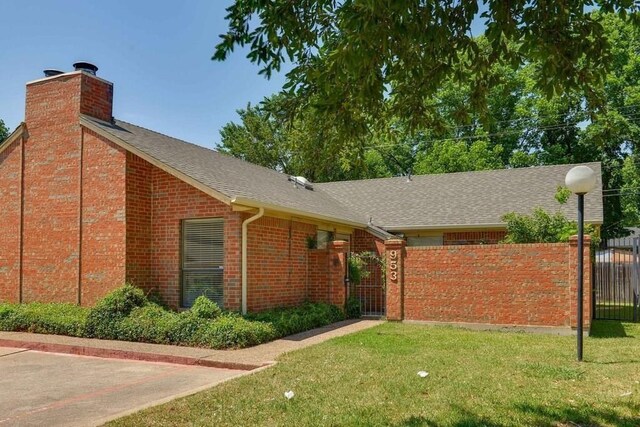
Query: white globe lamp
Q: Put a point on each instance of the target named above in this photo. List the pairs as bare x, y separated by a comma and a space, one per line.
580, 180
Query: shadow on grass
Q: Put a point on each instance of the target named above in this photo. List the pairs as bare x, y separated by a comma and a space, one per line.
539, 415
608, 329
571, 416
462, 422
321, 330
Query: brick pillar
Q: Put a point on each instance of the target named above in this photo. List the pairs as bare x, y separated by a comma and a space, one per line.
587, 286
394, 253
338, 252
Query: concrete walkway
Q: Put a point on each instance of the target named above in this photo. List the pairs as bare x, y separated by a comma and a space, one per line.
244, 359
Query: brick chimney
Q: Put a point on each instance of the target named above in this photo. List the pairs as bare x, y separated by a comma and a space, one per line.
62, 166
61, 98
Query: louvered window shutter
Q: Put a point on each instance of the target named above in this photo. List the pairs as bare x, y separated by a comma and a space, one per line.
202, 260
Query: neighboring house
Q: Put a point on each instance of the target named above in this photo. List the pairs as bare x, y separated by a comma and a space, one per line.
89, 202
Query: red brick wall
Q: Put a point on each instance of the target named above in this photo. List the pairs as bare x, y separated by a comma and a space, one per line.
318, 289
363, 241
10, 201
474, 237
52, 190
157, 202
96, 98
103, 217
326, 273
338, 252
173, 200
573, 280
277, 261
139, 263
495, 284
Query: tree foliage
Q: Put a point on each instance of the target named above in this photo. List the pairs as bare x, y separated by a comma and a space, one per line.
4, 132
361, 59
304, 146
458, 156
542, 227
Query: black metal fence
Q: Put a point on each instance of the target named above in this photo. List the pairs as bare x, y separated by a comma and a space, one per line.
616, 280
368, 283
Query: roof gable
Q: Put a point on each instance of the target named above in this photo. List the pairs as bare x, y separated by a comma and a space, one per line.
233, 180
17, 133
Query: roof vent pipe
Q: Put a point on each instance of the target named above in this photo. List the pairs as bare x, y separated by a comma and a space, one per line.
86, 66
50, 72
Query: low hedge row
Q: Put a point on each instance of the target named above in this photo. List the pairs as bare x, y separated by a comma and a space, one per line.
288, 321
127, 314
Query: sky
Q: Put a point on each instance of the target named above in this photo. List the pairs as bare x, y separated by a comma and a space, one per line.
157, 54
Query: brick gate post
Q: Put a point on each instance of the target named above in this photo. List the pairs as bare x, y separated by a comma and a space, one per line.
338, 253
394, 255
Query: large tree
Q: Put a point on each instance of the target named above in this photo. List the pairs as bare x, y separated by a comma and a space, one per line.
304, 146
360, 60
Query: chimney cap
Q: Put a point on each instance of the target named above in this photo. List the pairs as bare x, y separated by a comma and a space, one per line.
50, 72
86, 66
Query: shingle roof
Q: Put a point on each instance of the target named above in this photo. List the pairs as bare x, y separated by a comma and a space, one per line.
226, 174
427, 201
462, 199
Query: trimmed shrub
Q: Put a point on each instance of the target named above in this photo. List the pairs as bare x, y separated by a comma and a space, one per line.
185, 328
231, 331
204, 308
149, 323
104, 317
126, 314
288, 321
41, 318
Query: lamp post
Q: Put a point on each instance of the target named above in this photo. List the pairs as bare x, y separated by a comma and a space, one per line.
580, 180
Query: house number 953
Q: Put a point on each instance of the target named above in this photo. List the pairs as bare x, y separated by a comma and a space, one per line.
393, 265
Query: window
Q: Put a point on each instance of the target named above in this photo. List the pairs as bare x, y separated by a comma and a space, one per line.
322, 238
202, 260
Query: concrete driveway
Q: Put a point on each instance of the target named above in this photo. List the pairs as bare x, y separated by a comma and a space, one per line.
52, 389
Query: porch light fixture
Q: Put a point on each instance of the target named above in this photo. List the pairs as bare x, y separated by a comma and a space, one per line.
580, 180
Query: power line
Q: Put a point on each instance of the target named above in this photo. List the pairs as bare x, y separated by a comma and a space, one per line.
506, 132
547, 116
621, 189
636, 193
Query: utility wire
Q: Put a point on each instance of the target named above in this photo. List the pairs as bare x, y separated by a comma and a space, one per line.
506, 132
548, 116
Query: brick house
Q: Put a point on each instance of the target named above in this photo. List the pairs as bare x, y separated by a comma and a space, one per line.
89, 202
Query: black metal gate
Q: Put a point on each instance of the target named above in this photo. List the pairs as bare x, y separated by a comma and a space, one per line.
367, 282
616, 280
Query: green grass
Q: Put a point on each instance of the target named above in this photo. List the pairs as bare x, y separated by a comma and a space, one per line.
475, 379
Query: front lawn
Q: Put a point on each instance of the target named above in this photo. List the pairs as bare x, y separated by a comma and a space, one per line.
474, 379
